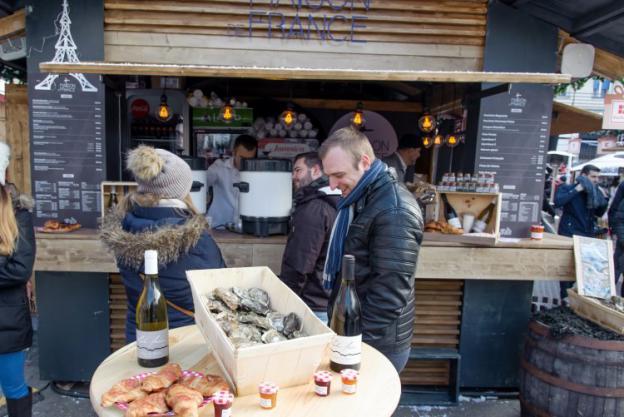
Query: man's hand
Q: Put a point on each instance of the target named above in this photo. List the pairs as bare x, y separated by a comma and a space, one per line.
579, 187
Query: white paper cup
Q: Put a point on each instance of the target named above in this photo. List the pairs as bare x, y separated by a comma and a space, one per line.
467, 222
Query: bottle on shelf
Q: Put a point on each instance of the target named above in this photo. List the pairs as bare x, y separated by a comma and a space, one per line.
112, 200
450, 214
483, 218
152, 324
346, 322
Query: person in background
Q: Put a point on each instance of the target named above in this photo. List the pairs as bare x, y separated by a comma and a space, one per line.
222, 174
160, 215
405, 156
17, 256
616, 224
582, 203
312, 219
381, 225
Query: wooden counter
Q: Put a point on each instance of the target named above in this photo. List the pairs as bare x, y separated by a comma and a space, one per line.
549, 259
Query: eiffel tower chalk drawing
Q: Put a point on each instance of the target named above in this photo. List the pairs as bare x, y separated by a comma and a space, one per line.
65, 52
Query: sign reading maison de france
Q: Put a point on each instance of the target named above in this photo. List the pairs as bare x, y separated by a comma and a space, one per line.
321, 20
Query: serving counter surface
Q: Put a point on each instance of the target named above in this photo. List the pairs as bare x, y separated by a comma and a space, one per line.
518, 259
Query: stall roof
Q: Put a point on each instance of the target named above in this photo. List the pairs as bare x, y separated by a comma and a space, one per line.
570, 119
598, 22
278, 73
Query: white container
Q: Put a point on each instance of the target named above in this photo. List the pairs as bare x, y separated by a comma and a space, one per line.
288, 363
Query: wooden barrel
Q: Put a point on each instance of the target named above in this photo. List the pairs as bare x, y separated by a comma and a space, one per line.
570, 377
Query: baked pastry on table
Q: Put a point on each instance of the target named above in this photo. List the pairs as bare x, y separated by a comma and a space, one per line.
124, 391
184, 401
164, 378
55, 226
153, 403
206, 384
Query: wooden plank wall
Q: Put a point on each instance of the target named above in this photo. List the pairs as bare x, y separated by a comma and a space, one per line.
399, 34
438, 317
17, 135
118, 306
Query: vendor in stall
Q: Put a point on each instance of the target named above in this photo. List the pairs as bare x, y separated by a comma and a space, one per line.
405, 156
222, 174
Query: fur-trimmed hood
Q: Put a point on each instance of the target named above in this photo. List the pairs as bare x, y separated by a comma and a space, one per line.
171, 241
24, 202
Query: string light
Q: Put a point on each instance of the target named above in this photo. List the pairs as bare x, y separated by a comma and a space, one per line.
451, 140
427, 123
358, 116
427, 141
226, 113
438, 140
164, 111
288, 116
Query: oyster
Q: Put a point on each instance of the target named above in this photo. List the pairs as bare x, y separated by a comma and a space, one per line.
215, 305
228, 297
292, 323
240, 292
297, 334
228, 321
246, 333
256, 300
255, 319
276, 320
272, 336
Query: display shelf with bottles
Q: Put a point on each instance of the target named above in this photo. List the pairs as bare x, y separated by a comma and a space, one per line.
479, 212
113, 192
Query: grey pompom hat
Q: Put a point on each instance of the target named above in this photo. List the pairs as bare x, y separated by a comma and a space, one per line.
160, 172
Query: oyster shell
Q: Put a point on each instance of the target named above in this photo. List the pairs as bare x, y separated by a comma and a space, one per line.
255, 319
228, 297
276, 320
292, 323
246, 333
228, 321
272, 336
240, 292
215, 305
256, 300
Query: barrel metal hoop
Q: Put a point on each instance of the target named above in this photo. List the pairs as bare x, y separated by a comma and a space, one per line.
570, 386
582, 341
533, 409
558, 354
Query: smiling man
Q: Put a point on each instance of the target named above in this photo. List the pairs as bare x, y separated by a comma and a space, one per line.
380, 223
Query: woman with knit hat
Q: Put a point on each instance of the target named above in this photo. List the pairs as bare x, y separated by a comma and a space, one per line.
17, 256
160, 215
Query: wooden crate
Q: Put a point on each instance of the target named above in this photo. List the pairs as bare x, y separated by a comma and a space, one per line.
287, 363
122, 188
472, 203
594, 311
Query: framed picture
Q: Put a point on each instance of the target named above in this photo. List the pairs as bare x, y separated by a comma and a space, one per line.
594, 267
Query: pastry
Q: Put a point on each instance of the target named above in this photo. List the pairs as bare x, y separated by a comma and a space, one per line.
163, 378
153, 403
206, 385
124, 391
184, 401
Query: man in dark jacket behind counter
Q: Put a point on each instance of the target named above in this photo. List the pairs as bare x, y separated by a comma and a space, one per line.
380, 223
312, 220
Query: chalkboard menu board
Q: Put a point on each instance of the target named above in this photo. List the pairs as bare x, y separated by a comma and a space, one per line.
512, 142
66, 111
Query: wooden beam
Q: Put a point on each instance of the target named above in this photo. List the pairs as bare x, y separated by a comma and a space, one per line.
373, 105
13, 24
598, 20
301, 73
570, 119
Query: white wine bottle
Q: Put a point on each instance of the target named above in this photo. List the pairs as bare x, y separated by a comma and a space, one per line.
346, 322
152, 324
483, 218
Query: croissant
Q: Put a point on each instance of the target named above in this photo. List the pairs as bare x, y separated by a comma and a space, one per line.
124, 391
153, 403
184, 401
206, 385
163, 378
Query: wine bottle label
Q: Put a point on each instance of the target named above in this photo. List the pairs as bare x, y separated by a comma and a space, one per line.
479, 226
455, 222
346, 350
152, 345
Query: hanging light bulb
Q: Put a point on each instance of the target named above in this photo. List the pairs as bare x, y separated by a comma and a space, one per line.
427, 141
288, 116
358, 116
452, 140
226, 114
438, 140
164, 111
427, 123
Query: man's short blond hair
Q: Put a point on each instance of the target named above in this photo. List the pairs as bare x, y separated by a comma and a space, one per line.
351, 141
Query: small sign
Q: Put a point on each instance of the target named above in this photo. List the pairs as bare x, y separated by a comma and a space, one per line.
613, 117
140, 108
594, 267
209, 117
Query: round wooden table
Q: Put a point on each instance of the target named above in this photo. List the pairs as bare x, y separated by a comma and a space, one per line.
379, 387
